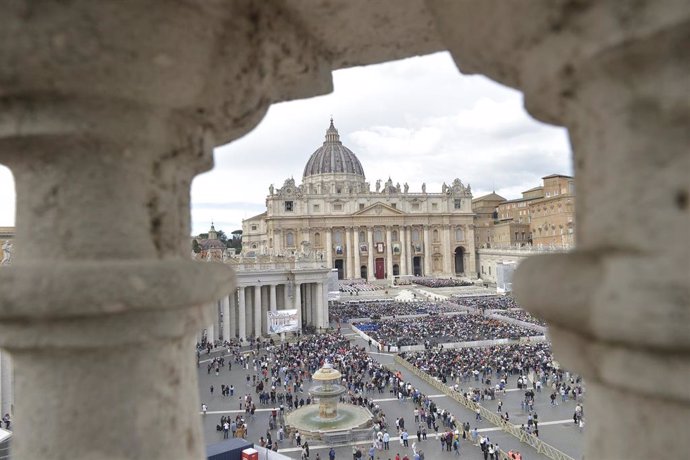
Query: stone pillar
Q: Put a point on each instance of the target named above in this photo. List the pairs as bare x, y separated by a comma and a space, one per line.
329, 248
286, 298
370, 257
404, 252
298, 304
233, 314
617, 305
349, 253
242, 317
389, 254
308, 302
319, 306
447, 251
325, 322
427, 252
225, 304
257, 311
272, 296
355, 247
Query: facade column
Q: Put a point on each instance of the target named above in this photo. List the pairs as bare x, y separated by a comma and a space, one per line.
349, 254
329, 248
272, 297
242, 314
389, 254
308, 301
404, 253
225, 305
447, 251
325, 322
370, 256
257, 311
355, 247
427, 252
298, 304
471, 269
319, 306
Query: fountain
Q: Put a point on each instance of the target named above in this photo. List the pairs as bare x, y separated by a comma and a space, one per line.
317, 421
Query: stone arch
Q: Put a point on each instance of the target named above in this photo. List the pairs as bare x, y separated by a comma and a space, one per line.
459, 258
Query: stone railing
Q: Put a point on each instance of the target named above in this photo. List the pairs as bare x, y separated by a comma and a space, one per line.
524, 437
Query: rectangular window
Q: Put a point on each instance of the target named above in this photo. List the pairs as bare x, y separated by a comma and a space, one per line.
361, 206
288, 206
337, 207
434, 206
415, 206
253, 227
458, 203
394, 205
317, 208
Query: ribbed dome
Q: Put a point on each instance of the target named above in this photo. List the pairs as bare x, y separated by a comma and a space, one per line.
333, 157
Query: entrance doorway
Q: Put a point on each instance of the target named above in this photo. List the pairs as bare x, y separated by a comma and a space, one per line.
417, 266
339, 266
363, 272
379, 269
459, 260
396, 270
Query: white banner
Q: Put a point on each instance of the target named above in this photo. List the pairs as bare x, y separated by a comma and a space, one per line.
282, 321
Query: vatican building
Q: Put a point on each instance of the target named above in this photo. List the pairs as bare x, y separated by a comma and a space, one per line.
365, 232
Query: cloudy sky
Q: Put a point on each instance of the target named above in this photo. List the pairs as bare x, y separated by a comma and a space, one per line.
416, 120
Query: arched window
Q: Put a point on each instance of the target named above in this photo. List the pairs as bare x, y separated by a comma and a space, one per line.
317, 239
378, 235
362, 238
459, 234
415, 235
338, 237
290, 239
435, 238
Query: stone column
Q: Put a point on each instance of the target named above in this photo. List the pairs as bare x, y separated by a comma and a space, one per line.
233, 314
329, 248
447, 251
389, 254
242, 317
427, 252
355, 247
349, 253
272, 296
225, 304
370, 256
298, 304
319, 306
257, 311
308, 302
617, 305
404, 254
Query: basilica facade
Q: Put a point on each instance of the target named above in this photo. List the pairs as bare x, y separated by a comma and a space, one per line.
335, 216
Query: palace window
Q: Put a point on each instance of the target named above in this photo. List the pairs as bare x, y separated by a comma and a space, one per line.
288, 206
253, 227
378, 236
435, 238
337, 207
459, 234
361, 206
394, 235
317, 208
338, 237
362, 238
434, 206
458, 203
415, 235
290, 239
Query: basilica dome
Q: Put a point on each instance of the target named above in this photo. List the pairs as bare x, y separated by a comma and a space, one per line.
333, 158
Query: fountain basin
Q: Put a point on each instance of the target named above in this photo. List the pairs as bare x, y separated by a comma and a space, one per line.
311, 425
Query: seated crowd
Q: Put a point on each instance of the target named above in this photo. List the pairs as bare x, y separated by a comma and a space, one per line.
495, 302
343, 311
358, 285
431, 330
439, 282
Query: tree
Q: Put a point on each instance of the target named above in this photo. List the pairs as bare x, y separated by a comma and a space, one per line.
195, 247
235, 241
222, 237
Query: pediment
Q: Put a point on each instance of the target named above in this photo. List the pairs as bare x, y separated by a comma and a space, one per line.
379, 209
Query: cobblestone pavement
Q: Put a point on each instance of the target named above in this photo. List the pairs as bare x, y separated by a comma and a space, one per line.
555, 422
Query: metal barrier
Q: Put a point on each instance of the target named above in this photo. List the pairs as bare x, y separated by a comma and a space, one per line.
522, 435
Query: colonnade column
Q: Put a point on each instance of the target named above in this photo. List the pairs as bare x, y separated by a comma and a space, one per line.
427, 252
233, 314
298, 304
329, 248
403, 250
242, 314
355, 248
257, 311
370, 254
210, 332
308, 301
225, 304
349, 254
272, 297
320, 306
389, 254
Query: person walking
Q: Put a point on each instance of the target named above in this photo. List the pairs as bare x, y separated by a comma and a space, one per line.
331, 454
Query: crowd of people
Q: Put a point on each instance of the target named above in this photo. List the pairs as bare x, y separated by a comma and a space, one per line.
439, 282
354, 287
344, 311
437, 329
523, 315
494, 302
